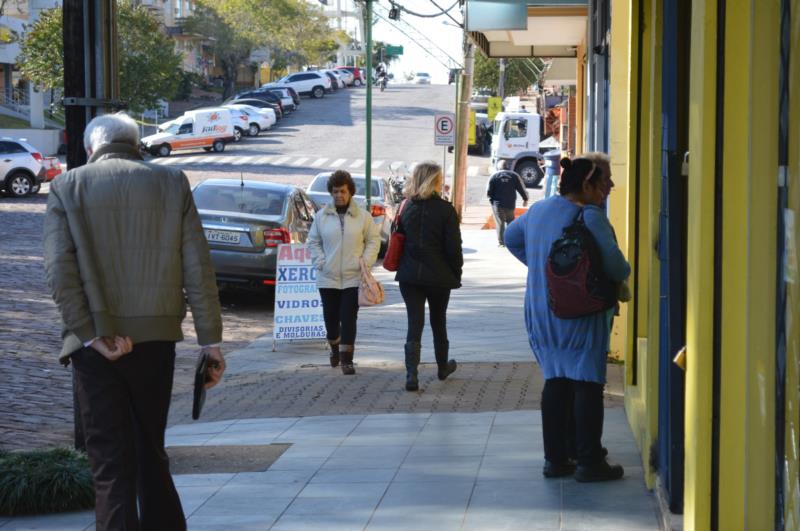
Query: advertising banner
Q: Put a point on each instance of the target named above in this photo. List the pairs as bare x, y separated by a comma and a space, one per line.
298, 308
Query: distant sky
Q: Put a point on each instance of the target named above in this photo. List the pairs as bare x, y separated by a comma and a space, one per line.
414, 58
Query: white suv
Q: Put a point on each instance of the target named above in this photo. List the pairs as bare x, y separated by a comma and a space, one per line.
313, 84
21, 169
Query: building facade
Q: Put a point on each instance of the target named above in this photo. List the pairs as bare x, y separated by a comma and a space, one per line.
698, 104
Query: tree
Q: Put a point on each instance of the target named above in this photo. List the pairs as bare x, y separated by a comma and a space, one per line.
149, 67
231, 47
378, 54
295, 31
519, 75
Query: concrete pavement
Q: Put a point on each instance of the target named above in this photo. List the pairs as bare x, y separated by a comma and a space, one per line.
402, 470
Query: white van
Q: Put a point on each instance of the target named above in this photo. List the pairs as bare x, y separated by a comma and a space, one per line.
204, 128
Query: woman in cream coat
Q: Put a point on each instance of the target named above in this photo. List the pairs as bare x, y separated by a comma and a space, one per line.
342, 233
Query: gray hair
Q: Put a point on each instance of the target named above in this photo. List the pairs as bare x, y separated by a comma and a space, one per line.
110, 128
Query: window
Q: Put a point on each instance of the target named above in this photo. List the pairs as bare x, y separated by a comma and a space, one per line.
516, 128
185, 129
235, 199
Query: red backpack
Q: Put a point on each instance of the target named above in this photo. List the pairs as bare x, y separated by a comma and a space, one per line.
576, 283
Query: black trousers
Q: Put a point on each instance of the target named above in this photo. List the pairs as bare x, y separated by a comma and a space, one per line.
124, 408
415, 296
340, 311
572, 420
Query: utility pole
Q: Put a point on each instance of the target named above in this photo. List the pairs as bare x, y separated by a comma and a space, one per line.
462, 129
91, 85
501, 85
368, 69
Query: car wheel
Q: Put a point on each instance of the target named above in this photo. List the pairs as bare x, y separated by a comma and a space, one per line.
357, 83
164, 150
253, 130
527, 170
237, 134
219, 146
318, 92
19, 184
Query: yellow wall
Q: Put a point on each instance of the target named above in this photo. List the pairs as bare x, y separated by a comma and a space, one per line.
641, 400
619, 147
700, 277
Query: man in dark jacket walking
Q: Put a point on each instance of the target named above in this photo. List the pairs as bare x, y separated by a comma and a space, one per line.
123, 246
502, 190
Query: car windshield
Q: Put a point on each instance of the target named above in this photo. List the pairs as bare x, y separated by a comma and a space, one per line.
171, 129
422, 74
239, 199
320, 184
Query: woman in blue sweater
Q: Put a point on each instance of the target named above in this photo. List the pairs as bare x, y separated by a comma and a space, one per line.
571, 352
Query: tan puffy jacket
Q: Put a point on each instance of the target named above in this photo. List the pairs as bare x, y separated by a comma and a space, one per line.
335, 249
122, 244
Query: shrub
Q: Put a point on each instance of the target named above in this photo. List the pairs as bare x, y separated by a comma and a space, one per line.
44, 482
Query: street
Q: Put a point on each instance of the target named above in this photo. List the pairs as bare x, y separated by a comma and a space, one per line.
323, 134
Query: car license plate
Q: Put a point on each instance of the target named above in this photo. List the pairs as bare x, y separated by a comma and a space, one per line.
222, 236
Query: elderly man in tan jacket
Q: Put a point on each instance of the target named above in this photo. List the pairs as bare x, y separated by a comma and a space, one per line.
123, 248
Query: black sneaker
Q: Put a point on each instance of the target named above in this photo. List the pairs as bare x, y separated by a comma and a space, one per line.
602, 471
558, 470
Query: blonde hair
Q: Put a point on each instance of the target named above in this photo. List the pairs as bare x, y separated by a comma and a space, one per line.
424, 181
597, 157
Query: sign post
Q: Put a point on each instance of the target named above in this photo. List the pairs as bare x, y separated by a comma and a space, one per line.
298, 308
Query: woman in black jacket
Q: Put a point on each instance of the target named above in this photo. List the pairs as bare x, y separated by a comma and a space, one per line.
430, 266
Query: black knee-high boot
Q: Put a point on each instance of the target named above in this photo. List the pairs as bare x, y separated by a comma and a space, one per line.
412, 362
446, 367
334, 356
346, 354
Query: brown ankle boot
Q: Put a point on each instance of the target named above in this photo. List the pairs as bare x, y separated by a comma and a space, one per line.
346, 355
334, 355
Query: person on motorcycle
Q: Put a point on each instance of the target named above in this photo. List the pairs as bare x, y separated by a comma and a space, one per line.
380, 75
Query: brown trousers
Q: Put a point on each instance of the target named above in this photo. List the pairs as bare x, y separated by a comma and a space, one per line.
124, 408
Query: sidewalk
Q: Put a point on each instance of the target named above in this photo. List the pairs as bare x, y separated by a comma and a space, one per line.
411, 468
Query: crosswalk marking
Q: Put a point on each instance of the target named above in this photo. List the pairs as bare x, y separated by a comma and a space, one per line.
295, 161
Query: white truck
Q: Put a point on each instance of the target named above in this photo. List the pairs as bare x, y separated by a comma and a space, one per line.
209, 129
515, 138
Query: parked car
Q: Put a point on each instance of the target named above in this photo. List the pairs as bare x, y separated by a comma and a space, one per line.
262, 95
292, 91
52, 169
313, 84
335, 84
358, 80
347, 76
258, 103
422, 78
258, 119
245, 221
287, 101
382, 203
21, 168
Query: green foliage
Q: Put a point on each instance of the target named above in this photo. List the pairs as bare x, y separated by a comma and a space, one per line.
44, 482
231, 47
148, 64
519, 75
377, 46
41, 56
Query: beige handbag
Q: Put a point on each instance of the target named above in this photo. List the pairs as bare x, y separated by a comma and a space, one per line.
370, 291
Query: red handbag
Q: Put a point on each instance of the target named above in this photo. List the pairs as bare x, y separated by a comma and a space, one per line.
397, 240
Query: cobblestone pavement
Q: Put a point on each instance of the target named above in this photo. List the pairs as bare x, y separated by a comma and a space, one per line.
35, 390
314, 390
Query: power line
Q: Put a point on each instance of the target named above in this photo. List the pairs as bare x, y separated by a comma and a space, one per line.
434, 15
413, 40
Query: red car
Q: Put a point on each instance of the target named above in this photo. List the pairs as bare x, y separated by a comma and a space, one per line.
357, 80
